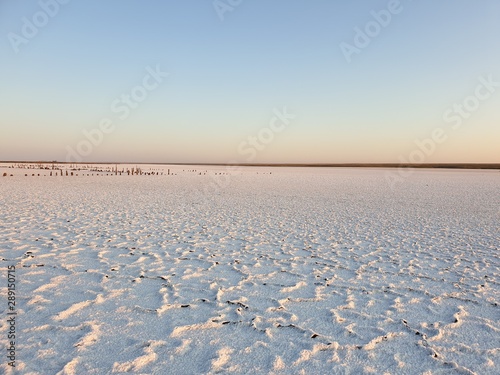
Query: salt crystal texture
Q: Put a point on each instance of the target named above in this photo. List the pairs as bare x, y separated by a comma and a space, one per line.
253, 270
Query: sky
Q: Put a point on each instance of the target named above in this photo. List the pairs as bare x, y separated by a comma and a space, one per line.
250, 81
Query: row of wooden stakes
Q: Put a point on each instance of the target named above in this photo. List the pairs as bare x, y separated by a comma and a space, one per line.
66, 173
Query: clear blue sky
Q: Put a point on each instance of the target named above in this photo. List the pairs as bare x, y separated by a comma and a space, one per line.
229, 72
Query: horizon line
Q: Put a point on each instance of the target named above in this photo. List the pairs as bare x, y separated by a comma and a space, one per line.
317, 165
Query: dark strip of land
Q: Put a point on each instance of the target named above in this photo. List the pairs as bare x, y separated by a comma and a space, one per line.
317, 165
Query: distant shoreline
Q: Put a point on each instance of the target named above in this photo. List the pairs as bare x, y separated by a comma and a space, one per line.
315, 165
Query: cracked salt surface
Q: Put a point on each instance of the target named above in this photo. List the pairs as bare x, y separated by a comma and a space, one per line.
302, 270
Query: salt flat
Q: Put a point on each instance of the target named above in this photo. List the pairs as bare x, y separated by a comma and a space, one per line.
279, 270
